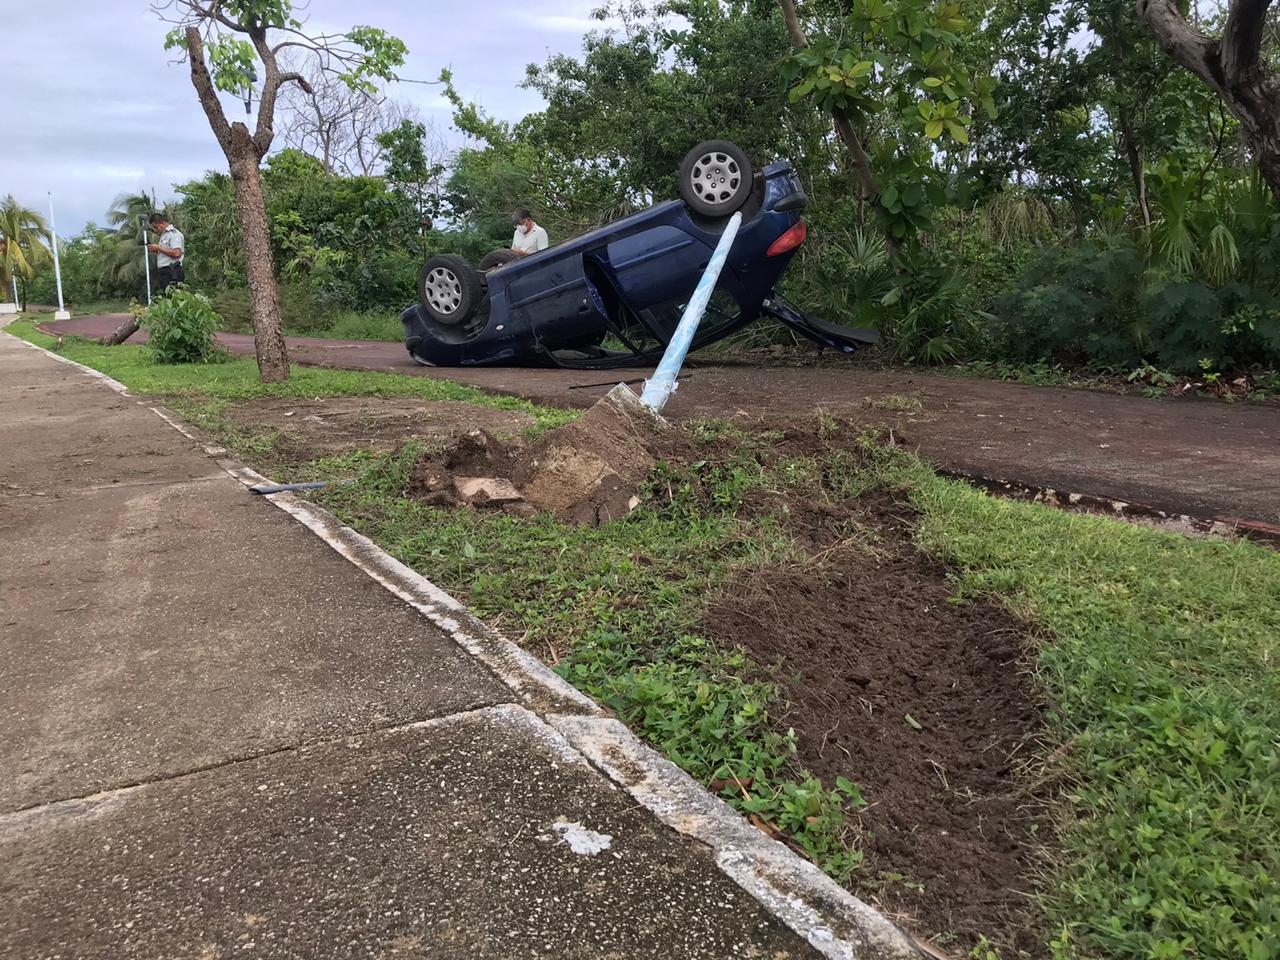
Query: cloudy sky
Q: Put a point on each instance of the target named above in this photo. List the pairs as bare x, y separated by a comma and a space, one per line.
99, 109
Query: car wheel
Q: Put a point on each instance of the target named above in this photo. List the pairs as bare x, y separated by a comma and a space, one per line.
450, 289
715, 178
496, 258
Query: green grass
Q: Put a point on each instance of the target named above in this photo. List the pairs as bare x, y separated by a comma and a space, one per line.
1158, 659
897, 403
237, 379
1162, 673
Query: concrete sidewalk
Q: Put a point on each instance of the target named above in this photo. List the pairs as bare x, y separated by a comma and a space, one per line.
223, 737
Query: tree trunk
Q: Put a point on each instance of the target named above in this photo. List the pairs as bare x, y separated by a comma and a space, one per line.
1266, 144
244, 151
251, 206
121, 333
1137, 168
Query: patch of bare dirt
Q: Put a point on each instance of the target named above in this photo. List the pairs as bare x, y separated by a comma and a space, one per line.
926, 704
311, 429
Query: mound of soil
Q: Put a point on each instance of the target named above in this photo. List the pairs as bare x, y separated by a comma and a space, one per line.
926, 704
587, 471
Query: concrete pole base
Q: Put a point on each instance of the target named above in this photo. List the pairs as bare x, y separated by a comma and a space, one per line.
8, 308
62, 314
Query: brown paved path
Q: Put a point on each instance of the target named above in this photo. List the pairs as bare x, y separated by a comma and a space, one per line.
1199, 457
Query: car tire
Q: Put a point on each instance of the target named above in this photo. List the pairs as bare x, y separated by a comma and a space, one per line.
716, 178
496, 258
450, 289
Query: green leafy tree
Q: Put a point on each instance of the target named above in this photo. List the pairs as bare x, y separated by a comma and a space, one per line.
84, 266
633, 103
1042, 141
891, 76
24, 239
413, 176
226, 43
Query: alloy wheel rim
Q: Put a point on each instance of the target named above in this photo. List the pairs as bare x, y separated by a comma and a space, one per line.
716, 177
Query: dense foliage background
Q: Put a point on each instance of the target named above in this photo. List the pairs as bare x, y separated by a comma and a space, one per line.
1049, 185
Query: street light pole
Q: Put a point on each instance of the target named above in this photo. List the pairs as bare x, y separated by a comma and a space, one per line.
146, 261
62, 313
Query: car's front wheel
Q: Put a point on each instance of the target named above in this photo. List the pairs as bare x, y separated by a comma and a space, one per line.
450, 289
715, 178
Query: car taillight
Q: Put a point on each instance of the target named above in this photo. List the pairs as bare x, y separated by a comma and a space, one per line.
788, 241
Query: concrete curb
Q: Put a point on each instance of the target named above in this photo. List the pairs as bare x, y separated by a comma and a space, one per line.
833, 921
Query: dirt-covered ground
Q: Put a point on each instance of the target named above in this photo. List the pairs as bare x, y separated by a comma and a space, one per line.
926, 704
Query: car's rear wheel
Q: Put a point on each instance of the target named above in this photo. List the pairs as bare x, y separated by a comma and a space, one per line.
496, 258
715, 178
450, 289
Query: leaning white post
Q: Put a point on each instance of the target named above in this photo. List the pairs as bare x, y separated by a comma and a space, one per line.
658, 389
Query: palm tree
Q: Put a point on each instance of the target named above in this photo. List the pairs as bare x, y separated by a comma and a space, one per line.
24, 239
128, 215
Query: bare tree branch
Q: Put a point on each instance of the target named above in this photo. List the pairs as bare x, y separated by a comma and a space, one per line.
208, 96
1188, 46
789, 16
265, 131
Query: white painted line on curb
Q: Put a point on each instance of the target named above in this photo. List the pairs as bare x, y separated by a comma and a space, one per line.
833, 921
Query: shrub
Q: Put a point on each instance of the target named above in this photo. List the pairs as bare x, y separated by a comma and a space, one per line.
1104, 308
300, 313
181, 326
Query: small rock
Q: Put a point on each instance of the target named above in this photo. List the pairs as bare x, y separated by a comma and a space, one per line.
520, 508
482, 490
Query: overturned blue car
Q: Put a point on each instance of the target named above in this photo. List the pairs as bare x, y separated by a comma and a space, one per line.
612, 297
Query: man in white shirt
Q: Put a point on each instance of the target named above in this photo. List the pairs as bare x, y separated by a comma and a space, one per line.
529, 237
168, 252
